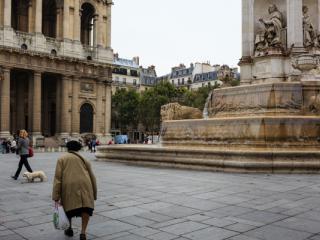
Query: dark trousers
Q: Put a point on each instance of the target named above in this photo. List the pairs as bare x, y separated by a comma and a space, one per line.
23, 161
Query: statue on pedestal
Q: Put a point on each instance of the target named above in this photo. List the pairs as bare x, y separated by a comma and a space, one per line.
271, 35
309, 33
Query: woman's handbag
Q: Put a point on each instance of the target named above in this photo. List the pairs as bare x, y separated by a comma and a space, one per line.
31, 152
60, 220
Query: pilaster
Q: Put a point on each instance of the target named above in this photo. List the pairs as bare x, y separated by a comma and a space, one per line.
247, 28
66, 17
5, 103
31, 20
20, 96
108, 32
65, 119
107, 115
30, 102
100, 33
295, 25
99, 128
38, 14
75, 107
58, 106
77, 22
59, 26
36, 112
7, 13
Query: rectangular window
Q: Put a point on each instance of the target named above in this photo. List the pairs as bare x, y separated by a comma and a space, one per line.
134, 82
134, 73
124, 80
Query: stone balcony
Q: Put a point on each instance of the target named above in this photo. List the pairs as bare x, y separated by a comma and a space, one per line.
37, 42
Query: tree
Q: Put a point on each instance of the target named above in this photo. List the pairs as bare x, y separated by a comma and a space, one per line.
199, 97
125, 108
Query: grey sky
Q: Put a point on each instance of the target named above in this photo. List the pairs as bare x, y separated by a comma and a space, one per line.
165, 33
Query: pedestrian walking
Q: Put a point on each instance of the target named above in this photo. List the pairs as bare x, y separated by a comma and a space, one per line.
74, 187
13, 146
93, 145
23, 149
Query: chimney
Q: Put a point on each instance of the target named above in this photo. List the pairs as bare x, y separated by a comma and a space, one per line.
136, 60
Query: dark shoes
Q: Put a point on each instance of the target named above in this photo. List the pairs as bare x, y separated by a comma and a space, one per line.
13, 177
68, 232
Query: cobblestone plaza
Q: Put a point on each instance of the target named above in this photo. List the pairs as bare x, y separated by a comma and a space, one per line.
138, 203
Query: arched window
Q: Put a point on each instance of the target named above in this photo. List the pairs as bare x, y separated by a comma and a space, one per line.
49, 18
20, 15
87, 24
86, 118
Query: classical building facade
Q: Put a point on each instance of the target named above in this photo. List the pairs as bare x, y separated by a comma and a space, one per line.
199, 75
128, 74
125, 73
56, 67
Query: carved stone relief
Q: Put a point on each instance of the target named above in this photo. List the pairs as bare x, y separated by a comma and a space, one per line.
87, 87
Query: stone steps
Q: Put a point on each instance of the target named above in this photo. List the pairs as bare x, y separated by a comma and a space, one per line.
238, 161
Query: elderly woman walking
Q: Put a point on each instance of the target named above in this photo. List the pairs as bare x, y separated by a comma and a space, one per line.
23, 150
75, 187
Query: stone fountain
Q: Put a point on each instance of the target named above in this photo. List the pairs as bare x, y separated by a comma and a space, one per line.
270, 123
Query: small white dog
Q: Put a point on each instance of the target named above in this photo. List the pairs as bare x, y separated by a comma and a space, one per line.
36, 174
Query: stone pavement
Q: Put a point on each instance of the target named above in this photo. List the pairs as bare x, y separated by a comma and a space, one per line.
137, 203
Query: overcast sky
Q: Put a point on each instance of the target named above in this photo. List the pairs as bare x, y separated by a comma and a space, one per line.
165, 33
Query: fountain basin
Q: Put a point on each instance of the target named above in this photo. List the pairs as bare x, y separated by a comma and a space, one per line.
278, 144
224, 160
240, 132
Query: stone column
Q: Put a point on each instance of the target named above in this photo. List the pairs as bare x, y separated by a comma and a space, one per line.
107, 115
20, 96
294, 23
95, 28
7, 13
38, 21
99, 110
75, 107
59, 24
66, 19
108, 32
58, 106
30, 16
99, 27
318, 10
247, 28
77, 22
30, 102
36, 111
5, 104
65, 119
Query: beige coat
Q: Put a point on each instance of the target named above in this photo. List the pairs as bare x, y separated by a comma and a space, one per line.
74, 182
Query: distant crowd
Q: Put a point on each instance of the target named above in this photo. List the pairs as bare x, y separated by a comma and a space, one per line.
9, 145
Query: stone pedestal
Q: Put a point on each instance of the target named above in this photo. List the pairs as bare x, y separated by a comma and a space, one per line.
8, 37
40, 42
105, 55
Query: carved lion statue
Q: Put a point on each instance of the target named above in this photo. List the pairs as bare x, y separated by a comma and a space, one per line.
175, 111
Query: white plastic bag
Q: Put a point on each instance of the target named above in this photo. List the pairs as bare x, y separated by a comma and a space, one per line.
60, 220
